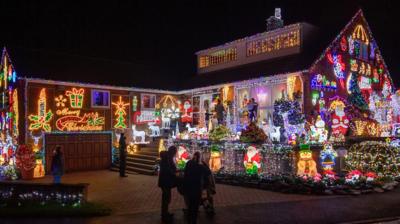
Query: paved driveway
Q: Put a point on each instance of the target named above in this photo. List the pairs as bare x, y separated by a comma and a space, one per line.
139, 193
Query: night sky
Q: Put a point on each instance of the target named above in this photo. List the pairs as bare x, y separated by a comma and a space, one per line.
156, 41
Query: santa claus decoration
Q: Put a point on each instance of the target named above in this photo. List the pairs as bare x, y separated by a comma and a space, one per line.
340, 122
186, 109
306, 166
182, 157
252, 160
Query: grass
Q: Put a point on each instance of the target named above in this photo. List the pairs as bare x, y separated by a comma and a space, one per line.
54, 210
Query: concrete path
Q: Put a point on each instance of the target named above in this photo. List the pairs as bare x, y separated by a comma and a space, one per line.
136, 199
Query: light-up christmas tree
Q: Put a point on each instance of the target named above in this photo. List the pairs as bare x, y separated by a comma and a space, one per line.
355, 98
120, 112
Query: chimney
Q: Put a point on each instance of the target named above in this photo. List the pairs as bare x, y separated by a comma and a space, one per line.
275, 22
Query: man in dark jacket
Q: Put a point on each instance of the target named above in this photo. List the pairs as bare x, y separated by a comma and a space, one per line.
193, 182
122, 156
167, 180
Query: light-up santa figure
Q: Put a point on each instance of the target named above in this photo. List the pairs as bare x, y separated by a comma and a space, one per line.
252, 160
340, 122
187, 112
182, 157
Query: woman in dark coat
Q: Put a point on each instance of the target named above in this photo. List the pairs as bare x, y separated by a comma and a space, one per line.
167, 180
193, 182
57, 165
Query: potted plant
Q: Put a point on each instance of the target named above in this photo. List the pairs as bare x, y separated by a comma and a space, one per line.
25, 161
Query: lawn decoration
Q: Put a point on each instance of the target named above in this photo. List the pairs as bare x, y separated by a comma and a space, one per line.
25, 161
190, 129
353, 176
155, 130
215, 158
182, 157
328, 156
275, 134
252, 160
306, 166
340, 122
187, 115
136, 134
166, 121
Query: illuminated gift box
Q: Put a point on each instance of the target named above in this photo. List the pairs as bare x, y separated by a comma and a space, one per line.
75, 97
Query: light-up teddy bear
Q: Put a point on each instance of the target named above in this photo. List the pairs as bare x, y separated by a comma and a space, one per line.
306, 166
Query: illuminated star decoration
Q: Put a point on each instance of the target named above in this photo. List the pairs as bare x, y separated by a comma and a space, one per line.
120, 112
60, 101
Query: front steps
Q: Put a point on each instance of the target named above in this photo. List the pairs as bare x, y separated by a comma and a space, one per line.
143, 161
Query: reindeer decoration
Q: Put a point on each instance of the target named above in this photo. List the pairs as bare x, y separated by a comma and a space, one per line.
190, 129
275, 134
155, 130
136, 134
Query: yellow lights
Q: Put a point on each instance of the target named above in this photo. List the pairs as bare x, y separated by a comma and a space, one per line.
120, 113
161, 146
16, 112
218, 57
365, 128
43, 117
291, 81
88, 122
360, 34
60, 101
73, 120
274, 43
359, 127
336, 104
39, 169
75, 97
132, 148
168, 101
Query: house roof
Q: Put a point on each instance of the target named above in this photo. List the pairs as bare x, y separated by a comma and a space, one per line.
53, 65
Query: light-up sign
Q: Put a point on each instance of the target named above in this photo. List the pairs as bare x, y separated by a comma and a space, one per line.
143, 117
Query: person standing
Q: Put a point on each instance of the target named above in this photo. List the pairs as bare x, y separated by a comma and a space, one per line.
122, 156
252, 107
207, 115
57, 165
166, 181
193, 181
220, 109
